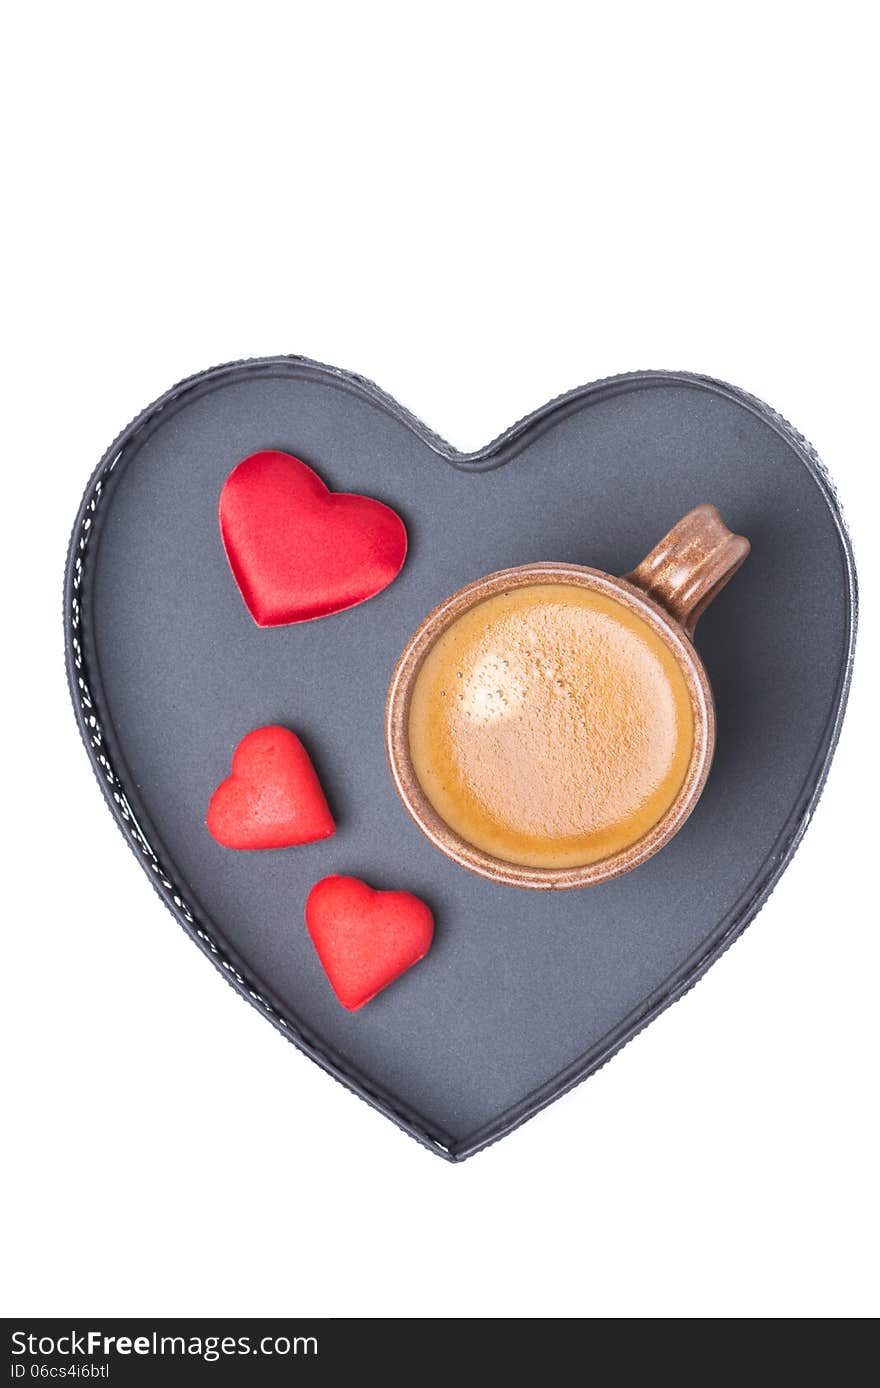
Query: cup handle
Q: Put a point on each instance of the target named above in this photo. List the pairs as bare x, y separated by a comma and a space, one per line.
689, 566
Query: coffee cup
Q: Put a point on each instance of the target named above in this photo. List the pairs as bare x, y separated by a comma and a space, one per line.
551, 726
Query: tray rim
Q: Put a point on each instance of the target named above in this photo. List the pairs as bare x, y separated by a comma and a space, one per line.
495, 453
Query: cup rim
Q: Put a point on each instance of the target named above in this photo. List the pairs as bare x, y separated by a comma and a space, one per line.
431, 823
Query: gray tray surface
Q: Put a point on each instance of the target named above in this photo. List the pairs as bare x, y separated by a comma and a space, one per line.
523, 993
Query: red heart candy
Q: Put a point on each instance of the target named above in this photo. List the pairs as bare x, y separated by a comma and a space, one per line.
298, 550
365, 939
273, 797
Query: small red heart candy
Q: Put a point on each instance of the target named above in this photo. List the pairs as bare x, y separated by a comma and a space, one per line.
299, 551
272, 798
365, 939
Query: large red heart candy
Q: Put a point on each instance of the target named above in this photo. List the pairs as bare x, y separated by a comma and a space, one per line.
298, 550
365, 939
273, 797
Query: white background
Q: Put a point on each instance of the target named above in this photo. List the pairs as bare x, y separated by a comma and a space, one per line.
478, 207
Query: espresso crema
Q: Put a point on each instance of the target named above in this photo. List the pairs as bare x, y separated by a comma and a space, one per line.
551, 726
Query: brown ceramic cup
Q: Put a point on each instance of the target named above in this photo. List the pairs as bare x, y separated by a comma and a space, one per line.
669, 590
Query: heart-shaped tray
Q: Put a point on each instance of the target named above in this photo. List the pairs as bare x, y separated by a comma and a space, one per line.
524, 993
